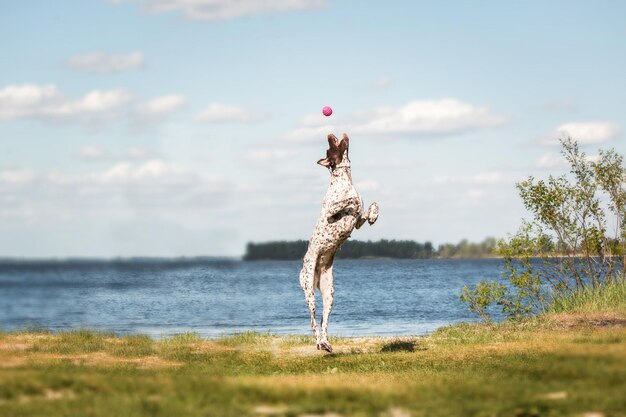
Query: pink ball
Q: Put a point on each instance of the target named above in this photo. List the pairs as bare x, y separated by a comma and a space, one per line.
327, 111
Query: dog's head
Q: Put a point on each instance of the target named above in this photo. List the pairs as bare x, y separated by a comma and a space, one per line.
337, 152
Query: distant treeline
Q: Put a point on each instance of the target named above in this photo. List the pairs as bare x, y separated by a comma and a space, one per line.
352, 249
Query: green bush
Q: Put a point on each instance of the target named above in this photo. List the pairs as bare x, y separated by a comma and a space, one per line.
482, 296
568, 245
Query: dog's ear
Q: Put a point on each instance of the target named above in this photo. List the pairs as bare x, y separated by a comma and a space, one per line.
345, 143
324, 162
333, 142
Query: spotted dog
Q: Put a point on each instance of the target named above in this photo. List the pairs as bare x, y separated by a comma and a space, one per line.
342, 211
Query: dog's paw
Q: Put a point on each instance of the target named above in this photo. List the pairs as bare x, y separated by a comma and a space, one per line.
324, 346
372, 213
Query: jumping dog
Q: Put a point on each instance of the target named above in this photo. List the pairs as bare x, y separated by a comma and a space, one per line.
342, 211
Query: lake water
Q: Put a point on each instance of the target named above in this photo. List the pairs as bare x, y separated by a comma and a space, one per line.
213, 298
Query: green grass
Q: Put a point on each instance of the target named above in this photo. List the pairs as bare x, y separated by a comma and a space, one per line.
605, 298
87, 341
75, 341
463, 334
246, 338
132, 346
532, 368
181, 339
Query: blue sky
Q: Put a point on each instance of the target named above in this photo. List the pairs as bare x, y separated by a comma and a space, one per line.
189, 127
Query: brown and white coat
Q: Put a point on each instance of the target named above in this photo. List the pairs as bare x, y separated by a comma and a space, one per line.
342, 211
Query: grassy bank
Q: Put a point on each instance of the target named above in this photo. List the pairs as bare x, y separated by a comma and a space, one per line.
556, 365
604, 298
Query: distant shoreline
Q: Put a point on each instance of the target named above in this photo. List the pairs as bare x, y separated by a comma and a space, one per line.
184, 260
381, 249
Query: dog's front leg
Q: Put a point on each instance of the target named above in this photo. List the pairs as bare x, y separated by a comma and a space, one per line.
371, 216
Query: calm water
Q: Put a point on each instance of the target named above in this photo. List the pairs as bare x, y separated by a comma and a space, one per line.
372, 297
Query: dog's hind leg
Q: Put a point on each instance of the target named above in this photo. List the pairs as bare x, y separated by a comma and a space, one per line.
328, 296
307, 282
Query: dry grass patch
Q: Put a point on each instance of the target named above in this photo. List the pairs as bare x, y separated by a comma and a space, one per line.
209, 346
603, 319
342, 346
270, 410
20, 341
379, 383
102, 359
12, 362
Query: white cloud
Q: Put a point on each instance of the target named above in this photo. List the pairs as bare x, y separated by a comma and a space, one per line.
593, 132
144, 173
16, 176
447, 116
160, 107
154, 189
93, 102
585, 133
141, 178
225, 9
46, 101
26, 100
551, 160
155, 169
106, 63
225, 113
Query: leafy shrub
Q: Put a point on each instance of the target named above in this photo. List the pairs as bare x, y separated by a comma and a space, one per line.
568, 245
